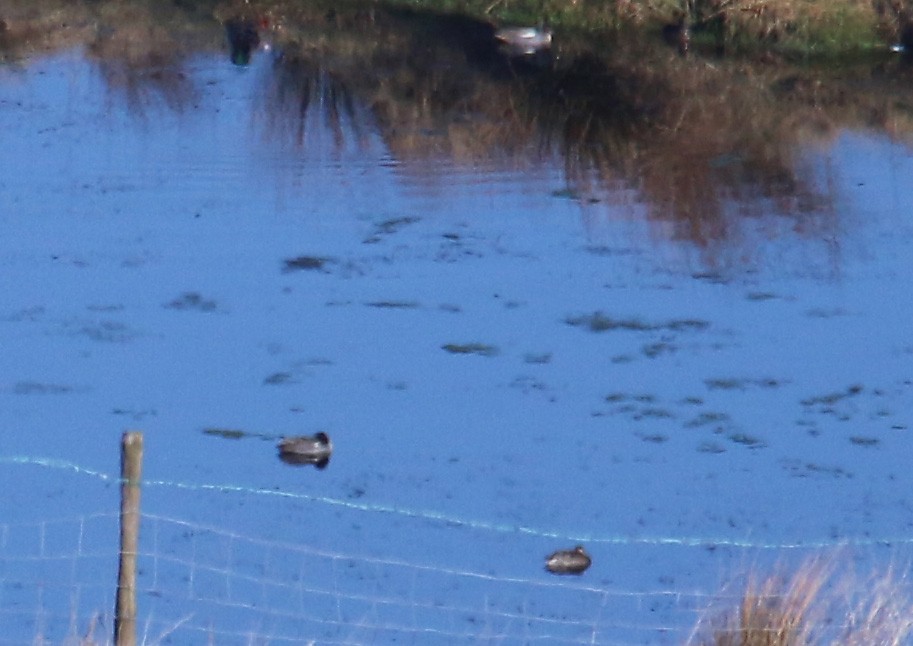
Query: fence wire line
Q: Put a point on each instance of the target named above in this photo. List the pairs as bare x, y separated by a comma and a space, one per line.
276, 586
45, 554
441, 517
201, 582
191, 571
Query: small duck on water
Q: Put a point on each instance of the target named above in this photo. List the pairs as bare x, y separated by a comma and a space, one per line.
306, 449
574, 561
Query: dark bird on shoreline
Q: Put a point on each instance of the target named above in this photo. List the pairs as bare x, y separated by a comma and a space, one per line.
306, 449
574, 561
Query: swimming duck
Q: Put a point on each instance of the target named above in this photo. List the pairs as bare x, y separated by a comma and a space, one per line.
574, 561
524, 40
306, 449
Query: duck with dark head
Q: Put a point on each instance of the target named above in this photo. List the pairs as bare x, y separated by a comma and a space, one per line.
574, 561
306, 449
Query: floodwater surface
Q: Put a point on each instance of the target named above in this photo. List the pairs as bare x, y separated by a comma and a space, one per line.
685, 359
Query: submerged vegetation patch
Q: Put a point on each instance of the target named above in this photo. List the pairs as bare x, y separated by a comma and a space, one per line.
746, 440
108, 332
832, 398
713, 448
388, 227
706, 419
799, 469
656, 438
599, 322
38, 388
192, 301
644, 398
566, 193
735, 383
135, 414
226, 433
653, 413
482, 349
237, 434
653, 350
305, 263
393, 305
761, 296
279, 379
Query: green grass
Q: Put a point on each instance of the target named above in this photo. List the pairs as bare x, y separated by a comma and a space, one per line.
810, 29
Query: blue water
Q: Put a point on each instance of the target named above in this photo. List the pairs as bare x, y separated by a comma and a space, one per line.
757, 395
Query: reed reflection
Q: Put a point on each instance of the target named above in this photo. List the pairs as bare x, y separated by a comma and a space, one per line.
705, 144
140, 54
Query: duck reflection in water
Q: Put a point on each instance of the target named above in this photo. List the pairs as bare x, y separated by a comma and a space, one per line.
574, 561
306, 449
243, 38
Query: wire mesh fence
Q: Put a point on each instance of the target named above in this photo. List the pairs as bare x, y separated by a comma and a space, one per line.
200, 583
225, 582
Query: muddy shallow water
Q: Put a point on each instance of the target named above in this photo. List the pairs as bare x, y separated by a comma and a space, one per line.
509, 359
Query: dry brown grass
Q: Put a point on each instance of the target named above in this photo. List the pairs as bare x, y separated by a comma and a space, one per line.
815, 605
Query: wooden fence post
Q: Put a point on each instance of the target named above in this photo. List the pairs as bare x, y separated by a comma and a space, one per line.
131, 470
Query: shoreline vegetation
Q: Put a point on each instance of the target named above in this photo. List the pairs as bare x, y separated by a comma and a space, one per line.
819, 29
823, 30
818, 603
705, 137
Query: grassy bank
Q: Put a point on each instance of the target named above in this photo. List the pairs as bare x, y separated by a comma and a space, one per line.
803, 28
818, 28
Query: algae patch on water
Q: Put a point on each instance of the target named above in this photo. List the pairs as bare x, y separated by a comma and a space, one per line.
735, 383
393, 305
40, 388
305, 263
192, 301
482, 349
599, 322
226, 433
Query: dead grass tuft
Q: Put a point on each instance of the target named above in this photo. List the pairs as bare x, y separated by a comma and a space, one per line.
814, 606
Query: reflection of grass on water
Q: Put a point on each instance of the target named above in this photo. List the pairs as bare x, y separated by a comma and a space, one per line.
703, 144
